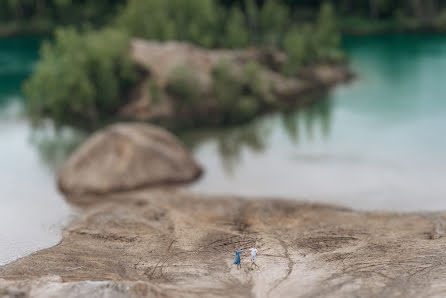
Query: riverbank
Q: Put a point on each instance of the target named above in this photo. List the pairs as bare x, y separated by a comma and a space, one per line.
168, 242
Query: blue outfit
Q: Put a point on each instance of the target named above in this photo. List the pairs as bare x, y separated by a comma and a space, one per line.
237, 257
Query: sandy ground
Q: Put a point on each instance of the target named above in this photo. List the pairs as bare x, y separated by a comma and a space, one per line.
170, 243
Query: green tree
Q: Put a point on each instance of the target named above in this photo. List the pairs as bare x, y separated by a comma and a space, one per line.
183, 84
272, 22
148, 19
252, 15
296, 47
236, 35
240, 93
81, 77
327, 35
195, 20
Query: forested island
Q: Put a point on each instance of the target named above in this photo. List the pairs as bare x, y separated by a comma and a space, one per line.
86, 76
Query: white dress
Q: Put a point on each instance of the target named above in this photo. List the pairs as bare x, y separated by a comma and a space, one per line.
253, 254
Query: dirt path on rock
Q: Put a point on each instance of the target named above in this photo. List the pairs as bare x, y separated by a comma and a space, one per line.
169, 243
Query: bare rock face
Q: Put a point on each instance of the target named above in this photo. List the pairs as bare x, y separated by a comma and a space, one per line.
125, 157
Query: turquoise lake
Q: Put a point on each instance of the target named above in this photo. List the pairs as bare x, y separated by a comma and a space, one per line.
377, 143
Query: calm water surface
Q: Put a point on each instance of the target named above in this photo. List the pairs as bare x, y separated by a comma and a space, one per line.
31, 210
378, 143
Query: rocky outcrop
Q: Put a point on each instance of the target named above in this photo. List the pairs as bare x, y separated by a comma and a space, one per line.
169, 243
125, 157
160, 58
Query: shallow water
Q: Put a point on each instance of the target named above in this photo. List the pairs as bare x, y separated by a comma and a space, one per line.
377, 143
32, 212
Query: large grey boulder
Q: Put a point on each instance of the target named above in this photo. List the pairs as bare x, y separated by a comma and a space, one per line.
124, 157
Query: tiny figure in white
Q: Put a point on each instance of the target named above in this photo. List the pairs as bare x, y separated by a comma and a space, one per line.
253, 257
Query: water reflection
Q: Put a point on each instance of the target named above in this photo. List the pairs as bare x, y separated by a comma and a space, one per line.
231, 143
32, 212
54, 145
318, 114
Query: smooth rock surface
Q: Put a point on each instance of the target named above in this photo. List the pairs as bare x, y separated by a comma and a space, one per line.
125, 157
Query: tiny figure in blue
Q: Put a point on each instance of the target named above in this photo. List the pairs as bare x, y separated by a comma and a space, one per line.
237, 257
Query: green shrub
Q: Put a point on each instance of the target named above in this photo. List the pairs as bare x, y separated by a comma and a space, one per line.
296, 46
255, 84
240, 93
81, 77
228, 86
183, 84
235, 33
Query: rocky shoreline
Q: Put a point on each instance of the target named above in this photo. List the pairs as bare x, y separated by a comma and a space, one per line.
187, 86
146, 240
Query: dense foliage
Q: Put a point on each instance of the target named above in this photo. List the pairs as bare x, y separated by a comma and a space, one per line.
206, 23
82, 77
192, 20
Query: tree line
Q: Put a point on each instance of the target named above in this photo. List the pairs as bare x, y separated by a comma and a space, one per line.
422, 10
44, 15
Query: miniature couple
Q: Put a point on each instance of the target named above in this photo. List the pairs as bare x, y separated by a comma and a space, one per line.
237, 260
